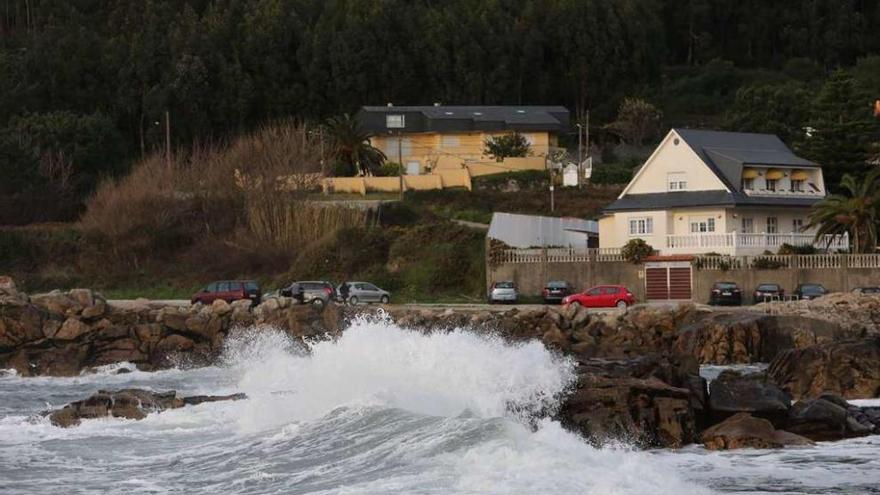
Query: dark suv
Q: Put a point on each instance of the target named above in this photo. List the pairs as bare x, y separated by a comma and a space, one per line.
229, 290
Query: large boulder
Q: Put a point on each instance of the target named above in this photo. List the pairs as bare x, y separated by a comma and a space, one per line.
9, 293
828, 418
732, 392
126, 403
646, 400
742, 430
850, 369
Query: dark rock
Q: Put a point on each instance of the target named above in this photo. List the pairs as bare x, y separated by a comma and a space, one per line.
828, 418
127, 403
627, 399
733, 392
850, 369
744, 431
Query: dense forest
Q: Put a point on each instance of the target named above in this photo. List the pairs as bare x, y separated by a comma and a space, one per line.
85, 84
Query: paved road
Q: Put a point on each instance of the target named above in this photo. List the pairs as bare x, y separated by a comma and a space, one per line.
129, 303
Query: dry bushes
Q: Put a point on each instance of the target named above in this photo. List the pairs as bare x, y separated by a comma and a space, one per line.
247, 195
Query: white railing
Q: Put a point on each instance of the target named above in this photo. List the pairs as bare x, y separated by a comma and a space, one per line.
864, 261
795, 261
559, 255
732, 242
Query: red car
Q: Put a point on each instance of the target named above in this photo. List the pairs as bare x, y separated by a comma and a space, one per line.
603, 296
229, 290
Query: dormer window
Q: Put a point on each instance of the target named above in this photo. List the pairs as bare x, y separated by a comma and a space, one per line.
797, 185
772, 185
748, 184
677, 181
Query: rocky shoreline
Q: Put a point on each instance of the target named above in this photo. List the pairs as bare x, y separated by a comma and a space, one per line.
637, 373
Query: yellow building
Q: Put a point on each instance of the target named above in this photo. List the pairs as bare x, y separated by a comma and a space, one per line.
428, 138
718, 192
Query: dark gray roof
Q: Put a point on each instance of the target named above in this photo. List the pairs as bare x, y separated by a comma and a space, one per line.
725, 153
467, 118
684, 199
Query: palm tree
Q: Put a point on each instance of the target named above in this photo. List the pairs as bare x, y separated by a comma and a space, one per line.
855, 212
350, 144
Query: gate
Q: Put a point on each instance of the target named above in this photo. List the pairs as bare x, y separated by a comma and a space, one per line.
670, 281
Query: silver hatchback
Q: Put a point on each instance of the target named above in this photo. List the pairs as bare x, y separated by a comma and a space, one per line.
503, 292
359, 292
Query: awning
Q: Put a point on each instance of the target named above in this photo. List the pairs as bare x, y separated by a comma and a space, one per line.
774, 174
750, 173
800, 175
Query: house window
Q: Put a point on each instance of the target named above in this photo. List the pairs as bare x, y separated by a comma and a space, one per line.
797, 185
772, 184
748, 225
797, 225
641, 226
392, 151
702, 225
748, 184
772, 225
395, 121
677, 181
450, 142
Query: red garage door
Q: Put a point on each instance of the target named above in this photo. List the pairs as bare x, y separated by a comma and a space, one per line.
668, 281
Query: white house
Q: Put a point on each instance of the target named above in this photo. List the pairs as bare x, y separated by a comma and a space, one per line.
719, 192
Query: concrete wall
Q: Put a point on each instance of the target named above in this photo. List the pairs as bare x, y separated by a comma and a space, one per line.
532, 277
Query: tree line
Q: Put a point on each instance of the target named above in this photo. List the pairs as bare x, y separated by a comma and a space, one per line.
85, 84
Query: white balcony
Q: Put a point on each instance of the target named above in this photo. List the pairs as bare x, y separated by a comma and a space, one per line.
736, 243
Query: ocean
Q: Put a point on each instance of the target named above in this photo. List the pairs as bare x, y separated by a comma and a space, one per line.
380, 410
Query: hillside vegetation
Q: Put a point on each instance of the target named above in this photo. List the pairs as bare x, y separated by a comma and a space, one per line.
86, 85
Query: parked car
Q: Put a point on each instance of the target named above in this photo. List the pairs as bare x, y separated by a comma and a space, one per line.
229, 290
503, 292
603, 296
359, 292
809, 291
725, 293
768, 292
317, 292
867, 290
556, 291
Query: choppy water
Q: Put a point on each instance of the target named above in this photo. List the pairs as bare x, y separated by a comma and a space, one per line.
381, 410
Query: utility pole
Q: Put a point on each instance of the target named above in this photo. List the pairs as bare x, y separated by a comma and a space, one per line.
552, 204
400, 161
580, 155
168, 140
321, 141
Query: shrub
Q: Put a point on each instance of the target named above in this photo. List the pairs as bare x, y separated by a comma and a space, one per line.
762, 263
507, 145
389, 169
612, 173
790, 249
636, 250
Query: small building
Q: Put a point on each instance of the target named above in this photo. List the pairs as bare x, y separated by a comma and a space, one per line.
532, 231
718, 192
438, 136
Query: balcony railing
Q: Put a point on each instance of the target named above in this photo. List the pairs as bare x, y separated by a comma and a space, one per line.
731, 242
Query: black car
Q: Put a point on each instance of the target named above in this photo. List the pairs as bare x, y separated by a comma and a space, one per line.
809, 291
725, 293
556, 291
768, 292
867, 290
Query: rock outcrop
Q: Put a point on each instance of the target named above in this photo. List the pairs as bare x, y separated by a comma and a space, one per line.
63, 333
831, 418
649, 400
742, 430
733, 392
127, 403
850, 369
